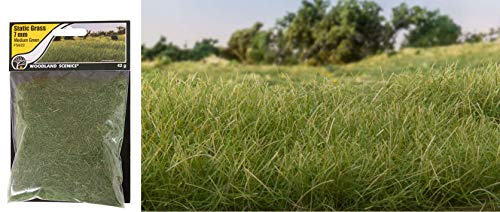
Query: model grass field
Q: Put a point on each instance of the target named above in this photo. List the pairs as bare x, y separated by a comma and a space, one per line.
418, 130
90, 49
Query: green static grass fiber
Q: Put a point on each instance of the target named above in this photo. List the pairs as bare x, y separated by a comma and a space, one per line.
92, 49
68, 133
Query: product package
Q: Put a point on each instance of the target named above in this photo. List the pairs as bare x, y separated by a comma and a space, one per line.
69, 106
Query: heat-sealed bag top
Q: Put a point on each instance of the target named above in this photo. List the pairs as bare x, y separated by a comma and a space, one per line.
69, 88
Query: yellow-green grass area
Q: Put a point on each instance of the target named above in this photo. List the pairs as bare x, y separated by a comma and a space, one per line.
419, 130
91, 49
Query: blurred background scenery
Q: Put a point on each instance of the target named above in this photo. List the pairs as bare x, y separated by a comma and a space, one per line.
313, 32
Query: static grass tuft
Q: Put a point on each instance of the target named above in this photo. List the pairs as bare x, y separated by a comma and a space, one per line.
379, 137
97, 49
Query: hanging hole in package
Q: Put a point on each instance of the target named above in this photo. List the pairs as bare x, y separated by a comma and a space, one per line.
70, 112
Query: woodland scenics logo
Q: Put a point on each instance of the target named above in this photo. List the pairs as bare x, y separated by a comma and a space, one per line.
18, 63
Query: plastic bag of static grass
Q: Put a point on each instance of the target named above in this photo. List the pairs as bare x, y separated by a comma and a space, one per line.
68, 129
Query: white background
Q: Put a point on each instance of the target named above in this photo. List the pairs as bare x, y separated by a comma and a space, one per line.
70, 10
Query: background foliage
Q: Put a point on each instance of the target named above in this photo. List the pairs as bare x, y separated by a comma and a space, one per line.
319, 33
